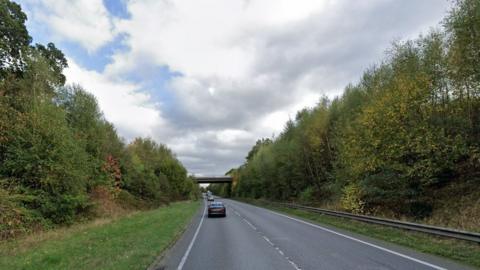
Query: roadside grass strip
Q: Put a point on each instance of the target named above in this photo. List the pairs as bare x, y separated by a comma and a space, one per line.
131, 242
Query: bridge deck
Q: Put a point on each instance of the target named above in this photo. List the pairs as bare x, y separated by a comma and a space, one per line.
211, 180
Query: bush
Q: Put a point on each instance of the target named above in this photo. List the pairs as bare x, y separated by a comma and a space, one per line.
352, 199
62, 209
307, 195
16, 220
129, 201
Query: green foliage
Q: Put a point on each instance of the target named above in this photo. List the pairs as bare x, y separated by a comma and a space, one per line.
14, 37
307, 195
55, 58
352, 199
153, 172
410, 127
94, 134
257, 147
223, 189
14, 218
56, 148
61, 208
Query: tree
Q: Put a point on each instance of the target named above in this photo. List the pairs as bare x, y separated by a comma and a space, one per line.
55, 59
409, 129
14, 38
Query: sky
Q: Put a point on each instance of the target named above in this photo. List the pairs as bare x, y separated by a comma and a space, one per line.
210, 77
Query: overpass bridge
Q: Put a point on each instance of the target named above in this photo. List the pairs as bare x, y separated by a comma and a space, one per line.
213, 179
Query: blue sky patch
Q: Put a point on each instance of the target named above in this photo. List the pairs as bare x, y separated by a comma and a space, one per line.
98, 59
155, 81
117, 8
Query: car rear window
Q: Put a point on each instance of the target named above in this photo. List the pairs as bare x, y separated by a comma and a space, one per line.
216, 205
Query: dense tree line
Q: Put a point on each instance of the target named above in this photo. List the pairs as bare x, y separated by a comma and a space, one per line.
57, 149
409, 128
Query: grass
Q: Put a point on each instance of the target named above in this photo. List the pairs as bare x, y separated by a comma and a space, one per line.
457, 206
457, 250
131, 242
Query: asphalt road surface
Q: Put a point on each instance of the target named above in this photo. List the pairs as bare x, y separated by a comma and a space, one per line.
251, 237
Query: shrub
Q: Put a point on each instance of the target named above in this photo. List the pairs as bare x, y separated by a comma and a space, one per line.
307, 195
352, 199
62, 209
16, 220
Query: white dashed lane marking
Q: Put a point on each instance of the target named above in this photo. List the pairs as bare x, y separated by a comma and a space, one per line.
360, 241
268, 240
250, 224
295, 266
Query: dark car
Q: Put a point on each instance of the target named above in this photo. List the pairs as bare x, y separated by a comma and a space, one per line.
217, 209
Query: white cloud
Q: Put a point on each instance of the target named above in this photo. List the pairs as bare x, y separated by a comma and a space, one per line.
86, 22
201, 38
247, 65
131, 111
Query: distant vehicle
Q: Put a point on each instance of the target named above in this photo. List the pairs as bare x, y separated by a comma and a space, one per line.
210, 198
217, 209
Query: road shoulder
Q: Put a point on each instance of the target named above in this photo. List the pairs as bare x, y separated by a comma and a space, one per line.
170, 258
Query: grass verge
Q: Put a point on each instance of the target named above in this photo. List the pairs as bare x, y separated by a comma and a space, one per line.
457, 250
131, 242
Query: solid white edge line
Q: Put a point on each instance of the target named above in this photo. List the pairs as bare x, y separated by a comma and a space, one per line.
184, 258
361, 241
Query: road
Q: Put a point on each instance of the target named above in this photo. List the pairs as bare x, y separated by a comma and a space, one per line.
251, 237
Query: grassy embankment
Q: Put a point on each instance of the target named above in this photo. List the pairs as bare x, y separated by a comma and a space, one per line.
457, 250
130, 242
